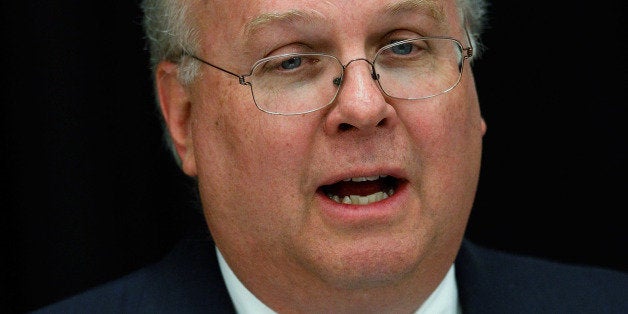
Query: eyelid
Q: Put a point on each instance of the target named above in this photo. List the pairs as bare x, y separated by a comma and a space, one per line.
288, 49
401, 34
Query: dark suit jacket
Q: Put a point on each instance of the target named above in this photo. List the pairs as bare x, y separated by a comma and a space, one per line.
188, 280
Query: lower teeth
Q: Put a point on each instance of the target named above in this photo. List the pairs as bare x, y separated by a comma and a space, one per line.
362, 200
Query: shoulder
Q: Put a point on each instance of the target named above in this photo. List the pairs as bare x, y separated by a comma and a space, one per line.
187, 280
499, 281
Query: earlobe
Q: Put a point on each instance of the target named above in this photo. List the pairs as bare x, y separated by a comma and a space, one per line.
176, 109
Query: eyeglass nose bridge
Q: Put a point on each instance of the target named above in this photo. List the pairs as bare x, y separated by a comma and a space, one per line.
374, 75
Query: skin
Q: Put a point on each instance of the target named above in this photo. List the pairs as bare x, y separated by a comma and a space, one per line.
259, 174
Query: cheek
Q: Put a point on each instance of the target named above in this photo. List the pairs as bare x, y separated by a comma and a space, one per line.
250, 166
446, 129
447, 138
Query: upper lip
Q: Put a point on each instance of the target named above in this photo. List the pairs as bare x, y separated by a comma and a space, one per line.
357, 173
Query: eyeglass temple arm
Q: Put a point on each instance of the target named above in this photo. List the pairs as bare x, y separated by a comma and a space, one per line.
241, 78
469, 49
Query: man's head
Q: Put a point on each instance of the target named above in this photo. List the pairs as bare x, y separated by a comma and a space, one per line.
276, 189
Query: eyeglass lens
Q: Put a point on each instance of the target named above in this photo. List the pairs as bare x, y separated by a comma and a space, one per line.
409, 69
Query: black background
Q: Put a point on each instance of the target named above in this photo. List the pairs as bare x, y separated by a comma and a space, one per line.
91, 192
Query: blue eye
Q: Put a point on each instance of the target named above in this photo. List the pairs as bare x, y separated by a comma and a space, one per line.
402, 49
291, 63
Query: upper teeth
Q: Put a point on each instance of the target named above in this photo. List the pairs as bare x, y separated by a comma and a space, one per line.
362, 179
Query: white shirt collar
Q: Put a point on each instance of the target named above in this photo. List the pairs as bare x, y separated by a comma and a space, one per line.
444, 300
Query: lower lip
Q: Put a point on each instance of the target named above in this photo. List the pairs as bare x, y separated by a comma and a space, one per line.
379, 213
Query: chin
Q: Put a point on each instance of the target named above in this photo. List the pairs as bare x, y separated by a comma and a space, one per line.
367, 263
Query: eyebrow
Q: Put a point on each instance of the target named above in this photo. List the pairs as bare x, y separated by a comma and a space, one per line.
291, 17
432, 7
434, 10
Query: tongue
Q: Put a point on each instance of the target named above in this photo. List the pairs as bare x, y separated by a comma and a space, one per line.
355, 188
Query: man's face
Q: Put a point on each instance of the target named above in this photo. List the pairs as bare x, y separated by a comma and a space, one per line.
265, 179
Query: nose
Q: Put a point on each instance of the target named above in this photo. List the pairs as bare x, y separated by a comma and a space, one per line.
360, 106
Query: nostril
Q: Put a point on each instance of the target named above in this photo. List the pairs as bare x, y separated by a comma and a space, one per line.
345, 127
349, 127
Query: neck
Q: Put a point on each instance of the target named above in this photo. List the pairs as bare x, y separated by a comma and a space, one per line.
286, 294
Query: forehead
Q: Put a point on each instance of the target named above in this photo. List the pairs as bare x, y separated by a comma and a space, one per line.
316, 13
248, 18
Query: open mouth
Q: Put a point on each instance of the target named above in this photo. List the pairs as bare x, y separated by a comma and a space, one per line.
361, 190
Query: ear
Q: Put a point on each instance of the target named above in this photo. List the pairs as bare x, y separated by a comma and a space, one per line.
483, 126
176, 109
